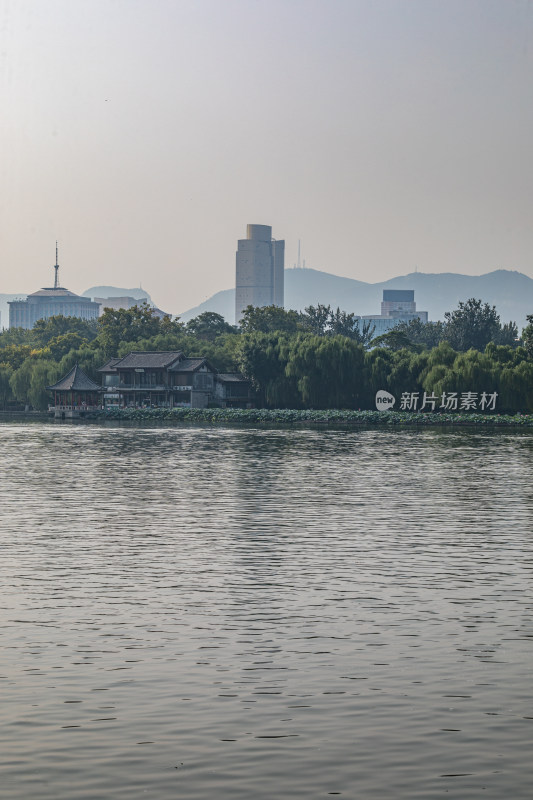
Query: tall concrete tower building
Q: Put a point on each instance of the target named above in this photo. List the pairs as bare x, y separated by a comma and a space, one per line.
260, 267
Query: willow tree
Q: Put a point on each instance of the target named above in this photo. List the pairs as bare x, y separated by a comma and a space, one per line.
328, 370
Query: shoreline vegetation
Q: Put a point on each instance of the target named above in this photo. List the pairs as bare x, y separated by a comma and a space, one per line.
329, 416
285, 416
292, 360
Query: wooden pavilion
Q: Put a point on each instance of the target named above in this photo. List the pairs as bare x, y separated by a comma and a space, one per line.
75, 395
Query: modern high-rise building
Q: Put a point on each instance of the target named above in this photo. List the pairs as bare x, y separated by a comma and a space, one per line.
50, 302
260, 265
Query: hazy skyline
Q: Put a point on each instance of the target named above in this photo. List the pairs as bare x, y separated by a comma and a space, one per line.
145, 135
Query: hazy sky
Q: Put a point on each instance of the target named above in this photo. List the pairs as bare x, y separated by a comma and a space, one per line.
145, 134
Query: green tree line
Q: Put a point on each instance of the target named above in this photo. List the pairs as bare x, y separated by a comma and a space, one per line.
320, 358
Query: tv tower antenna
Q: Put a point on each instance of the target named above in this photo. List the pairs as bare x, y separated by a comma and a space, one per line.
298, 265
56, 267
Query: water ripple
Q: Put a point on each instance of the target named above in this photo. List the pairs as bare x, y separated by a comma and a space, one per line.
237, 613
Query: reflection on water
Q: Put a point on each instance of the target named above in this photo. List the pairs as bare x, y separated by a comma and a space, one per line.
219, 613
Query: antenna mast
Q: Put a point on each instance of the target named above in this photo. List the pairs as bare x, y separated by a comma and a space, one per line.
298, 254
56, 267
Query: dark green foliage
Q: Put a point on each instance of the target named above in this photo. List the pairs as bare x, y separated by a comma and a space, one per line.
527, 336
14, 355
365, 336
505, 354
131, 325
316, 319
335, 372
342, 324
222, 353
406, 370
327, 370
507, 335
209, 326
289, 365
262, 358
45, 330
28, 383
472, 325
90, 359
6, 393
395, 340
292, 416
269, 319
323, 321
427, 334
60, 345
15, 337
516, 387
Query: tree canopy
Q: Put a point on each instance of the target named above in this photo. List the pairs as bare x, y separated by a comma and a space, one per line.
208, 326
268, 319
130, 325
321, 357
472, 325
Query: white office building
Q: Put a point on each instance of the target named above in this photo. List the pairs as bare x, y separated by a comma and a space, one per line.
49, 302
260, 264
398, 305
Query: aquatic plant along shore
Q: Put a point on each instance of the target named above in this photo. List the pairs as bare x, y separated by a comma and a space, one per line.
289, 416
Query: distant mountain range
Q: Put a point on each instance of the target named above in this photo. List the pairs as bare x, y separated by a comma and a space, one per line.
114, 291
511, 292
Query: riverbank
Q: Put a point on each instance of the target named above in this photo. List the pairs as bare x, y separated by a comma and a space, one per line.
289, 416
295, 416
6, 416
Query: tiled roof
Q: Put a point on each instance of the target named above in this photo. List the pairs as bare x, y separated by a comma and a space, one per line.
140, 360
189, 365
109, 366
231, 377
76, 380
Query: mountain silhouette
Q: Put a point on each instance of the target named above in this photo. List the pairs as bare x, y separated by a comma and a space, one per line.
510, 291
115, 291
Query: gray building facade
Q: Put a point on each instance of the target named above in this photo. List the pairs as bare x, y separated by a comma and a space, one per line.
50, 302
168, 379
260, 264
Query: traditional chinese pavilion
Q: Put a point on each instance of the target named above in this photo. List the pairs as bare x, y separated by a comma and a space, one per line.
74, 395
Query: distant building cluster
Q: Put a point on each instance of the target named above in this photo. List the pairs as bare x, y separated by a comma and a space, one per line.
259, 281
49, 302
56, 300
260, 266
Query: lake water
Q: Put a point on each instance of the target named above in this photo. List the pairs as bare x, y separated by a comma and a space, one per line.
199, 613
